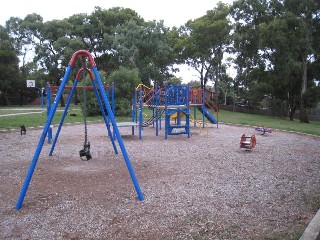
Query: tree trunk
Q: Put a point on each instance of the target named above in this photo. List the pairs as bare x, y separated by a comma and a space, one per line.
201, 82
216, 89
219, 56
76, 99
7, 100
303, 112
21, 98
62, 103
216, 86
292, 111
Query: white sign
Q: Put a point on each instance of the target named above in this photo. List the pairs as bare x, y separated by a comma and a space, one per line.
31, 83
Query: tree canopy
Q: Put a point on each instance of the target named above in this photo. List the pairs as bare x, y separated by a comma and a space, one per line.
9, 68
273, 45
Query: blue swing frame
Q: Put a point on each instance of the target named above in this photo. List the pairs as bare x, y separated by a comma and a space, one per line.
83, 54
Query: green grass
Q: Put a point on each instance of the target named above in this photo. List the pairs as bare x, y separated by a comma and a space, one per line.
269, 122
39, 119
18, 110
34, 119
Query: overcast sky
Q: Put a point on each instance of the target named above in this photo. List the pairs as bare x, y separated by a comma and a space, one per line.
173, 12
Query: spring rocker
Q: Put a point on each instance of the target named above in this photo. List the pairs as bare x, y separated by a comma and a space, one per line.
263, 130
104, 107
248, 142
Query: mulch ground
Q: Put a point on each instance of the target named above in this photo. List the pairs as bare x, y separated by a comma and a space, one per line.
203, 187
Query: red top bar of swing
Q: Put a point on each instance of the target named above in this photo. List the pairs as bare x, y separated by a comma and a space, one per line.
82, 53
80, 87
81, 70
79, 75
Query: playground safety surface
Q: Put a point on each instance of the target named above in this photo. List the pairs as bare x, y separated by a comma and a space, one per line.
204, 187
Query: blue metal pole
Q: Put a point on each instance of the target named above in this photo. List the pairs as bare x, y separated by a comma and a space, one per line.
140, 115
108, 96
113, 102
113, 105
63, 116
108, 91
132, 115
104, 115
157, 111
41, 98
153, 110
188, 110
177, 95
195, 110
166, 121
203, 105
159, 97
178, 116
116, 130
48, 111
134, 110
41, 141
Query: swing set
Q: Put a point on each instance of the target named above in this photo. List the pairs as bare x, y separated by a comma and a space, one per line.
105, 109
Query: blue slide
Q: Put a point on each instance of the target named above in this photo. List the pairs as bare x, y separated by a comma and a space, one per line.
207, 114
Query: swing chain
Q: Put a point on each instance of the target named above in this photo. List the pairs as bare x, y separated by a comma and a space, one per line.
85, 152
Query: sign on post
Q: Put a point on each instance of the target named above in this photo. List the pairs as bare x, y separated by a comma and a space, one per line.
31, 83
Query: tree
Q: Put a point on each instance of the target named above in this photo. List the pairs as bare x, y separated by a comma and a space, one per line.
307, 18
146, 48
194, 84
125, 80
89, 102
274, 45
106, 34
174, 81
104, 24
24, 33
247, 16
9, 67
206, 39
225, 84
288, 40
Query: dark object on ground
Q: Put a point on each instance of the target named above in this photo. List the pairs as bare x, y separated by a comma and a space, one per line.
23, 129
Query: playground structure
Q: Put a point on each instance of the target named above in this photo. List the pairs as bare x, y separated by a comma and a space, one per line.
104, 107
248, 142
175, 102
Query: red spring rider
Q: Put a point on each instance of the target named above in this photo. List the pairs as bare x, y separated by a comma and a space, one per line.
248, 142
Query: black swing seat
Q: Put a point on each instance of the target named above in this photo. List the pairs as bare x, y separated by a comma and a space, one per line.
85, 152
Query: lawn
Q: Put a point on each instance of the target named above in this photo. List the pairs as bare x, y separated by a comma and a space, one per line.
269, 122
39, 119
